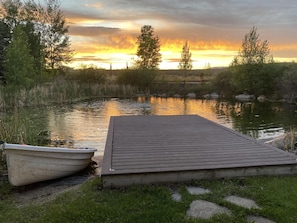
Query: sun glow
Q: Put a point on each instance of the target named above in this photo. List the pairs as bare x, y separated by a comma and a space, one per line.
121, 58
116, 49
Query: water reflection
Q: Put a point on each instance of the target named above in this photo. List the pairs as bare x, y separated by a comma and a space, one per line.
86, 124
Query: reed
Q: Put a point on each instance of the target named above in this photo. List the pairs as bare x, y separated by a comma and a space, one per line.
62, 91
290, 140
16, 129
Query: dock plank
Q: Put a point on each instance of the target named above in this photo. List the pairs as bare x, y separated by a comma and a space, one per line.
159, 145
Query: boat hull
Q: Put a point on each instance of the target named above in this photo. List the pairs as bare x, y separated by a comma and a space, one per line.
31, 164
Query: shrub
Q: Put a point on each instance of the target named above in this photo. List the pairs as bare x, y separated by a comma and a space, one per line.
222, 84
142, 78
88, 75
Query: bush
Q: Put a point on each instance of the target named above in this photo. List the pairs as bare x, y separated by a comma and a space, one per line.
89, 75
141, 78
222, 84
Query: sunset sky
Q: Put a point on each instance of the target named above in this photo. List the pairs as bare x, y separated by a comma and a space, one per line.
105, 32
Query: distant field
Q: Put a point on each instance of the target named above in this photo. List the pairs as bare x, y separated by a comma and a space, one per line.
178, 75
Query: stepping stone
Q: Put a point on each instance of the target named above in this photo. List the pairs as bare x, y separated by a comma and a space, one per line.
257, 219
205, 209
197, 190
176, 196
242, 202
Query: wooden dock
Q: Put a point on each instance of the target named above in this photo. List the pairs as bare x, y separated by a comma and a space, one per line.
163, 149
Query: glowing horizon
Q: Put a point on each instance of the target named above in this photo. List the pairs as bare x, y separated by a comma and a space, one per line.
104, 34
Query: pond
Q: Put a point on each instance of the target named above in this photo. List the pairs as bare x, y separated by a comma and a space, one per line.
85, 124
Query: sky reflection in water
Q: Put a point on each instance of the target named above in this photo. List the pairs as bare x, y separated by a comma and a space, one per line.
86, 124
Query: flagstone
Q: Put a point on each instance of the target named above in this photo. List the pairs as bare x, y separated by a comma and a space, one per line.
197, 190
205, 209
242, 202
258, 219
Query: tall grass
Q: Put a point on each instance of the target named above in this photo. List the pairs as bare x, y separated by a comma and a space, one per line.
61, 91
15, 129
290, 140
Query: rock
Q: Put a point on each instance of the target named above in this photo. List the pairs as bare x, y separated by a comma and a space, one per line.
176, 196
278, 141
164, 95
245, 97
242, 202
257, 219
213, 95
206, 96
191, 95
262, 98
205, 209
176, 96
197, 190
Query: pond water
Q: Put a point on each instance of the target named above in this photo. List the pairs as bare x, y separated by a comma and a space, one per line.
85, 124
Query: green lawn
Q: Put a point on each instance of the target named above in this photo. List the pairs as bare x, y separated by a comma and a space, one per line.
277, 197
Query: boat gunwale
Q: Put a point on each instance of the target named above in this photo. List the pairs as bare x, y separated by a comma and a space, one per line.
13, 147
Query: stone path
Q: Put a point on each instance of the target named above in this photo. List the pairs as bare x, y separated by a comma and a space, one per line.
205, 209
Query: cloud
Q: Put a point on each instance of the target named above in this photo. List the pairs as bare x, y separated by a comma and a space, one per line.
94, 5
100, 40
92, 31
113, 26
91, 58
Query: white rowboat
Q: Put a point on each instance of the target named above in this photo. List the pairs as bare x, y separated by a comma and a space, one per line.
29, 164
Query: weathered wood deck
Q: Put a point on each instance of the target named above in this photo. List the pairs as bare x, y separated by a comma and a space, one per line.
161, 149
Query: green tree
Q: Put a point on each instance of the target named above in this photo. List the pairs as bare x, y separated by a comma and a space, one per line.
36, 48
50, 23
10, 12
18, 69
56, 38
185, 65
5, 38
148, 51
249, 65
44, 24
289, 83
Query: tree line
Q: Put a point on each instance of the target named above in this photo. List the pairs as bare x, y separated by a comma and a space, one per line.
253, 71
33, 41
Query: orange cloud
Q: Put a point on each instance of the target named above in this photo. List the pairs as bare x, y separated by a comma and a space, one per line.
109, 33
